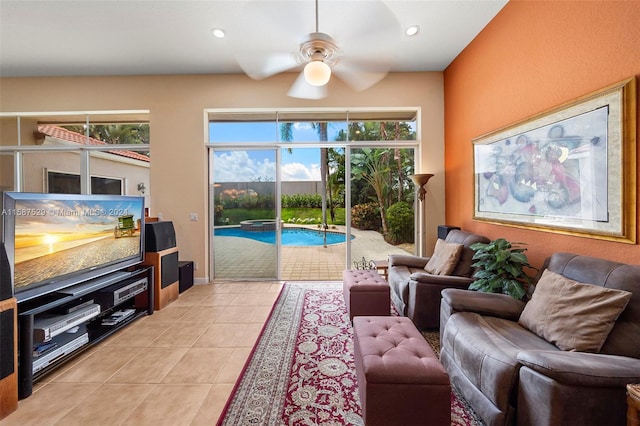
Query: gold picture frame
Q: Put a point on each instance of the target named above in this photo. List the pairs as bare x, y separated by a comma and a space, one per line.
570, 169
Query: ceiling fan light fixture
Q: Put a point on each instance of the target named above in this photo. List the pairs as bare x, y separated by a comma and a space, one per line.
317, 73
217, 32
412, 30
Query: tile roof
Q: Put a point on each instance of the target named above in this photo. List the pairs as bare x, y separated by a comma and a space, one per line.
69, 136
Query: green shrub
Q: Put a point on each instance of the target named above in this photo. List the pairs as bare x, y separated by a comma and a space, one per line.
400, 222
366, 216
302, 200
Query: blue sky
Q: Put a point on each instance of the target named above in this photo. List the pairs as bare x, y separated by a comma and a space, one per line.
243, 165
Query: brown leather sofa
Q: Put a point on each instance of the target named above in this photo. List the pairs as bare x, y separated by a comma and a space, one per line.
416, 293
510, 375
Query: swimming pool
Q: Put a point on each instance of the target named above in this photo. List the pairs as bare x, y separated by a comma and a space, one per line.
290, 236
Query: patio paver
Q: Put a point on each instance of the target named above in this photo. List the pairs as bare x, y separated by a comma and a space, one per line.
241, 258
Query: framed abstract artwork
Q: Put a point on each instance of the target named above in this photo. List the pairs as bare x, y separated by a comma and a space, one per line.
571, 169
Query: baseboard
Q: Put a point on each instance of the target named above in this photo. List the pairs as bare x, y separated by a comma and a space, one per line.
204, 280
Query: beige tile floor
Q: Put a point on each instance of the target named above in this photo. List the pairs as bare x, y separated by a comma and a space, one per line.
175, 367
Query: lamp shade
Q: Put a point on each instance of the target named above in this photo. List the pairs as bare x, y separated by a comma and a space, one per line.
421, 179
317, 73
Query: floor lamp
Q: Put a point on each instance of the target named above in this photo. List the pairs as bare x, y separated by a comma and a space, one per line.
420, 180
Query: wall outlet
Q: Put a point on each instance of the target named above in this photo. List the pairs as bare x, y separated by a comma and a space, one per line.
193, 216
159, 216
195, 266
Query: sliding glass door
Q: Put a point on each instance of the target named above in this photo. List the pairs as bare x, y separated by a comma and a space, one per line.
243, 193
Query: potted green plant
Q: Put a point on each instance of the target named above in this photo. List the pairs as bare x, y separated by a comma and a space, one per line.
501, 268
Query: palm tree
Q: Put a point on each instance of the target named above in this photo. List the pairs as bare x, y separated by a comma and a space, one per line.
286, 134
370, 164
396, 130
117, 134
384, 170
401, 131
335, 180
321, 128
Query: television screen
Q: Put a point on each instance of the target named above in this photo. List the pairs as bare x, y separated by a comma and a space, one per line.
57, 240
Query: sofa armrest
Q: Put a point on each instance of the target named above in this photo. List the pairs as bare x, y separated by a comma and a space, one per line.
444, 280
491, 304
424, 299
583, 369
407, 260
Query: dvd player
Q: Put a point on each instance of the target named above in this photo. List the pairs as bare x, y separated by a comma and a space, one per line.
115, 294
48, 326
59, 347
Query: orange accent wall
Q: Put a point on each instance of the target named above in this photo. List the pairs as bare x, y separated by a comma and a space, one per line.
531, 57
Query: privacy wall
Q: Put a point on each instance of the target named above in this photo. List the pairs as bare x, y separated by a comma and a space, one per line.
532, 57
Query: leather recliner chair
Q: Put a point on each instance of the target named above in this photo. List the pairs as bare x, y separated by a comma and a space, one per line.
416, 293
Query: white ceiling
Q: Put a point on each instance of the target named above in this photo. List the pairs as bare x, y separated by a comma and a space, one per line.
134, 37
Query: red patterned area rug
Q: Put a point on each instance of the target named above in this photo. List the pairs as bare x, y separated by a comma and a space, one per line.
302, 371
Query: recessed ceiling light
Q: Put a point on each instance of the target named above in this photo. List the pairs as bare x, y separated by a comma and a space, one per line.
412, 30
217, 32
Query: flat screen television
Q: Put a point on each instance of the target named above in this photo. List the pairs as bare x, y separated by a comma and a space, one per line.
55, 241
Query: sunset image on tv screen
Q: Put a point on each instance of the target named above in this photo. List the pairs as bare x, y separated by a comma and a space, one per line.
58, 237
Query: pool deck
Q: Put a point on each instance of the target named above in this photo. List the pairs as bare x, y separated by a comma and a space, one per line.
240, 258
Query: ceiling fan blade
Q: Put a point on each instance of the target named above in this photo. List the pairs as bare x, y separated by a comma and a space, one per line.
259, 65
260, 43
360, 74
367, 44
303, 90
376, 30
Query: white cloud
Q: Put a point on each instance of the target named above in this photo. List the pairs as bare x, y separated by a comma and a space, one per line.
302, 125
299, 171
237, 166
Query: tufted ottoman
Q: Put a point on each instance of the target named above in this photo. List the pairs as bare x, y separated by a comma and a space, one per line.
400, 379
365, 293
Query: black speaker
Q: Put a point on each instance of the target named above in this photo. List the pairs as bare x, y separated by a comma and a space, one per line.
7, 343
159, 236
185, 272
6, 280
168, 269
443, 230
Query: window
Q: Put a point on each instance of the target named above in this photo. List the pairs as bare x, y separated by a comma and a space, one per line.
63, 183
104, 185
68, 183
314, 126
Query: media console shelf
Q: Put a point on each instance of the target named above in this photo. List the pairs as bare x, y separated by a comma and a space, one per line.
57, 326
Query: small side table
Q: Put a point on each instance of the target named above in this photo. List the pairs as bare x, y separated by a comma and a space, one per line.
382, 266
633, 401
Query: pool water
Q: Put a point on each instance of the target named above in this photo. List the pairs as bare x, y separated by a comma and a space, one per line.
290, 236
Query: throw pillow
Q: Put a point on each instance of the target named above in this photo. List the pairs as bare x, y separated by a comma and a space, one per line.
573, 316
445, 258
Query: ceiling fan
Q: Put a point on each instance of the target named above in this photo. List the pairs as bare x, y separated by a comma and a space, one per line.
360, 55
